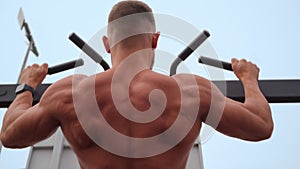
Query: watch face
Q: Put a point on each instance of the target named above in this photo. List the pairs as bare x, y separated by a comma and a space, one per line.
20, 87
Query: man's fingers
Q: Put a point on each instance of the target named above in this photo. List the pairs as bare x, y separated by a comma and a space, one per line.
35, 68
35, 65
234, 62
243, 60
44, 67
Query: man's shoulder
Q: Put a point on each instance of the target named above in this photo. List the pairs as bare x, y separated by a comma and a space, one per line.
63, 86
66, 82
191, 78
178, 79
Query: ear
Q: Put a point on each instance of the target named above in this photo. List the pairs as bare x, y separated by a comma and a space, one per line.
155, 37
106, 44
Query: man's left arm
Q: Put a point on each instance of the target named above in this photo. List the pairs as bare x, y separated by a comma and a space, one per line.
24, 124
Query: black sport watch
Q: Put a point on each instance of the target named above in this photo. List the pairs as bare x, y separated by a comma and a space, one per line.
24, 87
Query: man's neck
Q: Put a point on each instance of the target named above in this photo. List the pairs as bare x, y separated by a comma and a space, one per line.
132, 57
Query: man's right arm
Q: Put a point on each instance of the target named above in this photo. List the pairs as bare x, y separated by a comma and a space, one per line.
251, 120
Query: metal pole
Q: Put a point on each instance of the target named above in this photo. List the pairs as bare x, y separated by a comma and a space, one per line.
25, 59
23, 66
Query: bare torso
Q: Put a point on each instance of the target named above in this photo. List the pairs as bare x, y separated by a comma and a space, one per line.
91, 155
93, 119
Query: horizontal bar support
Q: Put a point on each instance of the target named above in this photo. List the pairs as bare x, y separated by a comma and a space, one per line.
275, 91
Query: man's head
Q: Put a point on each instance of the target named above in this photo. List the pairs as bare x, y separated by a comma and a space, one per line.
131, 24
129, 7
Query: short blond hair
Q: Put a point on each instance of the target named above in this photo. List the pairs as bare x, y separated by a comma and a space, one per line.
129, 7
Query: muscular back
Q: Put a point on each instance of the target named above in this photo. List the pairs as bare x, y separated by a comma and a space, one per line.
84, 116
88, 109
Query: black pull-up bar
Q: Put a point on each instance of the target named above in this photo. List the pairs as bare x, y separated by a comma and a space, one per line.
65, 66
275, 91
88, 50
204, 60
215, 63
188, 51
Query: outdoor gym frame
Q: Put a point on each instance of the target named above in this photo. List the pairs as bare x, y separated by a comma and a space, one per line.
275, 91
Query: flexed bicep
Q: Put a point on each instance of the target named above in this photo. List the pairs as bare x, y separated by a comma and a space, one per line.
30, 127
240, 122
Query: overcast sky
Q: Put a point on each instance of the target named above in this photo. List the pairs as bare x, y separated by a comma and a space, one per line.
265, 32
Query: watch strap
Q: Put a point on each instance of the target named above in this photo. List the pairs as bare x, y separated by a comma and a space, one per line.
24, 87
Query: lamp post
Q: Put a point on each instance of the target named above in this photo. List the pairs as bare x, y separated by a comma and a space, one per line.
31, 45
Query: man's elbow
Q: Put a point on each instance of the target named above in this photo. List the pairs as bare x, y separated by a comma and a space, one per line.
7, 142
266, 133
269, 131
4, 140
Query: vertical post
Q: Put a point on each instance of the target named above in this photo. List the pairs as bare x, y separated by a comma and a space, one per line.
200, 156
25, 59
57, 151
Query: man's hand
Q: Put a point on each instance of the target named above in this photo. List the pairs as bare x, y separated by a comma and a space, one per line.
245, 70
34, 75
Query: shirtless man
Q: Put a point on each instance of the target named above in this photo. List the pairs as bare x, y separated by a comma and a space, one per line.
24, 124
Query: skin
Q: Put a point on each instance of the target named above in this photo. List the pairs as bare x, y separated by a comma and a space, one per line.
24, 124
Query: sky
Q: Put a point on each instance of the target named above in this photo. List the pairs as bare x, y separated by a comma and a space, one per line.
265, 32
